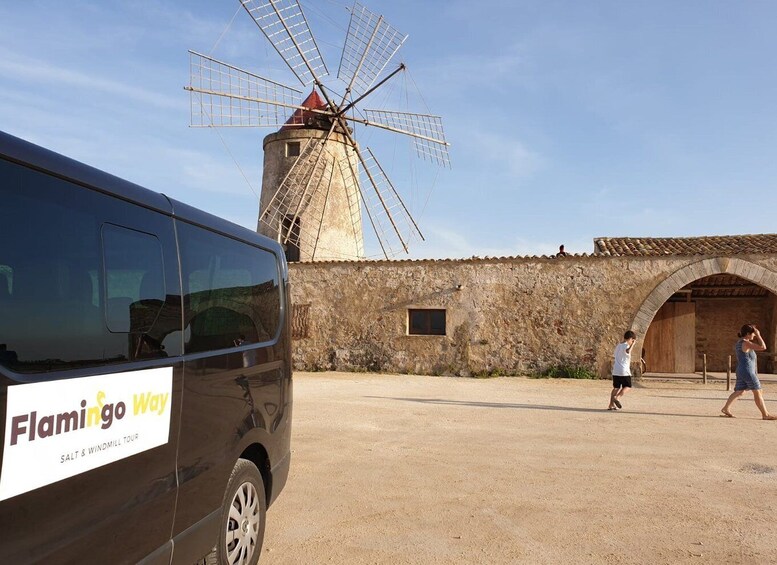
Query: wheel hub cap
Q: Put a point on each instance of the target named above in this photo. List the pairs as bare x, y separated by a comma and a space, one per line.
243, 525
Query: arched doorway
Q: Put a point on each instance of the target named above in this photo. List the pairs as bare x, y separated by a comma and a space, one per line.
699, 309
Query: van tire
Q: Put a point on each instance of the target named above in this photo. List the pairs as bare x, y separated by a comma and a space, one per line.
242, 521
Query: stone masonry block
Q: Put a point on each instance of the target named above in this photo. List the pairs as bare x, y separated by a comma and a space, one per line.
770, 281
711, 267
694, 271
738, 267
758, 274
705, 269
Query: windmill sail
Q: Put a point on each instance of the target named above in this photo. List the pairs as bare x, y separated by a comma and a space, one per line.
426, 131
385, 210
226, 96
369, 45
284, 25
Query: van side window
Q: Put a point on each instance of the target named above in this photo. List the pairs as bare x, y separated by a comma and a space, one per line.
134, 279
54, 293
231, 291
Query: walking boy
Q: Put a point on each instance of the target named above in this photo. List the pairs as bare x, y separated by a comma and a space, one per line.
621, 370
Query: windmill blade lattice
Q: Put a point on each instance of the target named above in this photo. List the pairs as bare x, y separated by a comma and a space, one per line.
293, 194
284, 25
390, 219
352, 194
369, 45
426, 131
226, 96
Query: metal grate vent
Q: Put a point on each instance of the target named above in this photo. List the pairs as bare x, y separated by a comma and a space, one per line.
300, 316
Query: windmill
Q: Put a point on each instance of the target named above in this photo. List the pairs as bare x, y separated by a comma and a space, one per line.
319, 187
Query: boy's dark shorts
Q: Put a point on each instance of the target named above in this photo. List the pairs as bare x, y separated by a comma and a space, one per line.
618, 381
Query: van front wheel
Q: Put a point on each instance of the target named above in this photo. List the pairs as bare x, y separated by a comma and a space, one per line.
242, 517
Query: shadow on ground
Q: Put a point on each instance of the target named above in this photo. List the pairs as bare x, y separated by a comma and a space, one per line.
531, 406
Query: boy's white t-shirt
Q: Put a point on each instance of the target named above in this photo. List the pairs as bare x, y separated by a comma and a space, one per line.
622, 366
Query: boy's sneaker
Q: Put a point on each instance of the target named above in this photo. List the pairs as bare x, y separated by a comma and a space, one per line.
617, 403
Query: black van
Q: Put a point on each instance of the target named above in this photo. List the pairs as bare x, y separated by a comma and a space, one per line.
145, 372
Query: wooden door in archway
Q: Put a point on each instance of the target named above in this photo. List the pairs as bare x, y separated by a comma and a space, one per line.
670, 342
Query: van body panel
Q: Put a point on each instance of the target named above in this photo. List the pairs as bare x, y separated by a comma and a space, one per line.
196, 540
162, 556
280, 474
85, 517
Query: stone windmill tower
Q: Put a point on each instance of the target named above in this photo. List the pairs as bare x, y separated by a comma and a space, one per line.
334, 212
319, 187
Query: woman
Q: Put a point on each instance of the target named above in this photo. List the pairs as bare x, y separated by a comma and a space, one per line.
750, 341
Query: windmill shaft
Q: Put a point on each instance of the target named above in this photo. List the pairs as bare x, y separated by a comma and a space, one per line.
370, 91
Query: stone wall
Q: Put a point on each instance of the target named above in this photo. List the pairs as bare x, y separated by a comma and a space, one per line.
508, 315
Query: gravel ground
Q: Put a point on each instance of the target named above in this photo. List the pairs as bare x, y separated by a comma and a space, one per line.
410, 469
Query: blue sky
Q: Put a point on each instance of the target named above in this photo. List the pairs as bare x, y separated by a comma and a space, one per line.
568, 120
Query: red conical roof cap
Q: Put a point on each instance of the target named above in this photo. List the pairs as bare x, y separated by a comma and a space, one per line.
302, 117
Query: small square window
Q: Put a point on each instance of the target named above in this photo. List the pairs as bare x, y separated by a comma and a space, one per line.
426, 322
292, 149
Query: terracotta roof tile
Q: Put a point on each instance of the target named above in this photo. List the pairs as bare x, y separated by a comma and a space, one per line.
709, 245
617, 247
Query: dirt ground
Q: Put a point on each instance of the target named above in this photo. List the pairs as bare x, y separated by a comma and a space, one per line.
409, 469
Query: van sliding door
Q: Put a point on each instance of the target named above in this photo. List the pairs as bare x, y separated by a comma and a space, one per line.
90, 372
